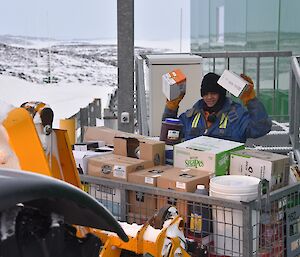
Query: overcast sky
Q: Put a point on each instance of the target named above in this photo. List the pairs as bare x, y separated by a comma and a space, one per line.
93, 19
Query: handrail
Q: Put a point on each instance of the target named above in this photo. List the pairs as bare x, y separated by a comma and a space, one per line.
294, 106
228, 55
225, 54
237, 54
87, 116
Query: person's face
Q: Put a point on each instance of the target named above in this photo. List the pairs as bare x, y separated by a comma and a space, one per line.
211, 98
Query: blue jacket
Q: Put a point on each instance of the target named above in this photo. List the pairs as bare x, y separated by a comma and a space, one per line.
234, 122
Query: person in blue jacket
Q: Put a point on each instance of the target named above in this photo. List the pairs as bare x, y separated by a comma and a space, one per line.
218, 116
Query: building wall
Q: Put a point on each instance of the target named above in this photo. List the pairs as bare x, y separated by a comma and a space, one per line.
200, 24
248, 25
262, 15
289, 13
235, 16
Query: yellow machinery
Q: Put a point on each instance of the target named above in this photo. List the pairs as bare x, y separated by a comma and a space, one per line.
52, 158
47, 151
146, 240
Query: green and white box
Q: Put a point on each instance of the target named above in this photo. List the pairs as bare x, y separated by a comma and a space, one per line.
270, 166
205, 153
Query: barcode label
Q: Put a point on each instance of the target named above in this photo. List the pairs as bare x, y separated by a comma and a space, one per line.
180, 185
119, 171
149, 180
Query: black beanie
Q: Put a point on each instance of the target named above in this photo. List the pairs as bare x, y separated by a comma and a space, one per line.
209, 84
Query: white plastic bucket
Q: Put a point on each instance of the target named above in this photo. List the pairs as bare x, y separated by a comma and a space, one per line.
228, 223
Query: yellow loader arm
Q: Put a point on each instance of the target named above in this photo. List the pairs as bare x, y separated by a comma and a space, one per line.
25, 142
57, 162
168, 241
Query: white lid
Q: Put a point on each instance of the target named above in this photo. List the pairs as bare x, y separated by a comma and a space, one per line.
234, 184
200, 187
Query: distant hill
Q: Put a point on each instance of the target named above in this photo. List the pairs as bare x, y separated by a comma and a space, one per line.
80, 61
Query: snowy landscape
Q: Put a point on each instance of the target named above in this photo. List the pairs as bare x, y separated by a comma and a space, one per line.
67, 75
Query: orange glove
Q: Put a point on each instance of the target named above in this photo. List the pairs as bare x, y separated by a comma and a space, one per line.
249, 92
173, 104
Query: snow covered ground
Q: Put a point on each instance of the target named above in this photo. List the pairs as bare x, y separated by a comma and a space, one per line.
65, 99
83, 70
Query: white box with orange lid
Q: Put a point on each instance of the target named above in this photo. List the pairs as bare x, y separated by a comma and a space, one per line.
173, 84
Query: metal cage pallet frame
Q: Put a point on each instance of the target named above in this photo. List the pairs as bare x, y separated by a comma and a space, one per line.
269, 226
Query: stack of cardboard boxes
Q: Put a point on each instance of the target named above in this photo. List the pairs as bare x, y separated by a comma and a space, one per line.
141, 160
145, 204
132, 153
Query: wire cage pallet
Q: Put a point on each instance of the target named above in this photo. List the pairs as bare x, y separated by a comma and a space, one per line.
268, 226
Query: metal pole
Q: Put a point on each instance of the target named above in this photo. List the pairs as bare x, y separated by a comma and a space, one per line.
83, 121
141, 97
247, 231
294, 106
123, 206
125, 64
291, 97
92, 115
97, 103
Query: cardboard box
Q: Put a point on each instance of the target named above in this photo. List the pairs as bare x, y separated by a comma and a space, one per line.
233, 83
115, 166
144, 149
81, 158
273, 167
142, 203
126, 143
205, 153
148, 176
173, 84
103, 134
182, 180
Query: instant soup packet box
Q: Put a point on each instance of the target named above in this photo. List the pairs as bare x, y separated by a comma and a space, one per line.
233, 83
206, 153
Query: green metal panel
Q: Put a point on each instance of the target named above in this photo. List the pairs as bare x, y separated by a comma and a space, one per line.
276, 103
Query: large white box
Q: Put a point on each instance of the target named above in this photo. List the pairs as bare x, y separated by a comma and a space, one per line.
173, 84
273, 167
205, 153
81, 157
158, 64
232, 82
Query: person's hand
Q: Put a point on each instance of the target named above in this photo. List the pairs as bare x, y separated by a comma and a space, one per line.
249, 92
173, 104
